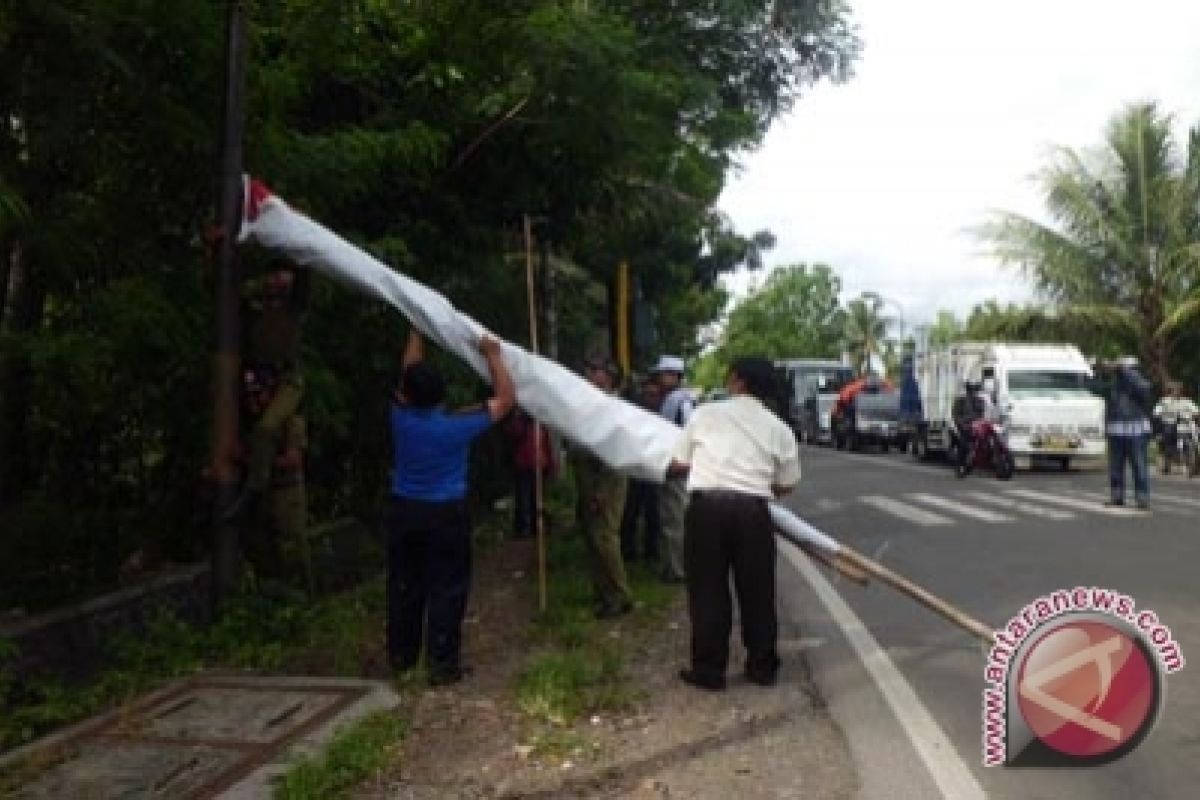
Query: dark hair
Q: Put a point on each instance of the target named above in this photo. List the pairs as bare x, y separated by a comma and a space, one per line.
758, 374
422, 386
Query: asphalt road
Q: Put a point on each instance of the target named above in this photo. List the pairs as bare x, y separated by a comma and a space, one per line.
1040, 532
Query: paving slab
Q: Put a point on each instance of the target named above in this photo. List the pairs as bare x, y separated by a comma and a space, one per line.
220, 736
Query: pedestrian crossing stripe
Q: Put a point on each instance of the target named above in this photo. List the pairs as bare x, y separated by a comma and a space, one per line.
1070, 502
905, 511
1032, 510
981, 514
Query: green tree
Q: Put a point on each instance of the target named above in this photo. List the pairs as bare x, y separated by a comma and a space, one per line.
795, 314
946, 329
423, 132
864, 333
1125, 247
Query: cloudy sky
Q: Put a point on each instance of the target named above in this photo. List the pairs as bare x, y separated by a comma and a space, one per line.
955, 104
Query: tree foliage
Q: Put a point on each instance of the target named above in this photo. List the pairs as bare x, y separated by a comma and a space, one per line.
1125, 248
796, 314
423, 131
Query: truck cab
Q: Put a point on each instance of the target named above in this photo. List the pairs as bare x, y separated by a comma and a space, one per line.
1041, 392
815, 384
1046, 406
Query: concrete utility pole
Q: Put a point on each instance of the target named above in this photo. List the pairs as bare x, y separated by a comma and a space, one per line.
228, 299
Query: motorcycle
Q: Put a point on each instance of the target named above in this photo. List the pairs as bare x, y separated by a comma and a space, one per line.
1179, 441
988, 450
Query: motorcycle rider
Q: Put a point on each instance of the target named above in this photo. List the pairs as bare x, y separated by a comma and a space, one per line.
1170, 412
969, 407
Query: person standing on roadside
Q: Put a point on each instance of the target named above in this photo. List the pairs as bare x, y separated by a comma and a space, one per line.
429, 532
533, 452
601, 494
737, 455
641, 499
1128, 430
677, 407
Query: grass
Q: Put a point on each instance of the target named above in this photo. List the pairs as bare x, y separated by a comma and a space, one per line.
576, 666
355, 754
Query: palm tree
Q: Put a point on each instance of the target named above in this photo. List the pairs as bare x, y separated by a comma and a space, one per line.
866, 330
1124, 249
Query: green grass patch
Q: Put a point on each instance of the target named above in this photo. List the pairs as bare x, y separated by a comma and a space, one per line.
355, 754
559, 686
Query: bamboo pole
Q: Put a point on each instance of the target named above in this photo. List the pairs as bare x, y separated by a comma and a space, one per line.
539, 525
922, 596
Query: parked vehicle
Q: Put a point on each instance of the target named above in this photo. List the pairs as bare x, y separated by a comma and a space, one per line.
871, 420
1179, 442
1042, 392
815, 384
987, 450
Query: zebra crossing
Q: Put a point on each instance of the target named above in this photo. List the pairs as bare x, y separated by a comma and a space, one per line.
1013, 504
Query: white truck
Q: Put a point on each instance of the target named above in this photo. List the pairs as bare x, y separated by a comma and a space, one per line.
1041, 392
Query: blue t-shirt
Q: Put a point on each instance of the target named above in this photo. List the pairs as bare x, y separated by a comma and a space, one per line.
430, 450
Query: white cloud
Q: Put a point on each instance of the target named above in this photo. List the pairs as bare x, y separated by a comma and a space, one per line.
954, 106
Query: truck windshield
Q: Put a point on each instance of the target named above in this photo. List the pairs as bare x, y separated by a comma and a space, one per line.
1046, 380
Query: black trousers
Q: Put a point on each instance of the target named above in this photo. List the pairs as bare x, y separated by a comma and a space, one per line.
641, 500
729, 532
428, 579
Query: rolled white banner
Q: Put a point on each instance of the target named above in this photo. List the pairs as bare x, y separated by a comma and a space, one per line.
624, 436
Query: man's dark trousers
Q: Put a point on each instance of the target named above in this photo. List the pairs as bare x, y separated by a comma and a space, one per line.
641, 499
429, 576
1131, 449
724, 532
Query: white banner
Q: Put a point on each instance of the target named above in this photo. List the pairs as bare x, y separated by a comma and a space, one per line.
624, 436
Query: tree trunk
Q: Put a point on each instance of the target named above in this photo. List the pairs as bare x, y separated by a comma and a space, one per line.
24, 300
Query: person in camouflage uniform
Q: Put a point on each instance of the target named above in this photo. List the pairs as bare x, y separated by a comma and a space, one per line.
273, 537
274, 314
601, 493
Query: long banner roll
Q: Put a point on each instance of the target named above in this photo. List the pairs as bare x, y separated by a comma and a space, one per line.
623, 435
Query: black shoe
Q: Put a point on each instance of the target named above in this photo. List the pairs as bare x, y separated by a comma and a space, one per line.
1114, 503
445, 676
763, 678
708, 684
1142, 504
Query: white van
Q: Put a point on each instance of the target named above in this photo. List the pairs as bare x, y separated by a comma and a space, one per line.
1041, 391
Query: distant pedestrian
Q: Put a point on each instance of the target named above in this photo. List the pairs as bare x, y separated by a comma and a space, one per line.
1128, 428
641, 500
738, 455
532, 452
601, 494
429, 532
677, 406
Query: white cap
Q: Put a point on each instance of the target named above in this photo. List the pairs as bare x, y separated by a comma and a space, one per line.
669, 364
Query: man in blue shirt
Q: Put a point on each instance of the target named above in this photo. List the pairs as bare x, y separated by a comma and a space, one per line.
429, 532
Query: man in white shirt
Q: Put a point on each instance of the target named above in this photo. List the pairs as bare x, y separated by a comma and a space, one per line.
738, 455
676, 407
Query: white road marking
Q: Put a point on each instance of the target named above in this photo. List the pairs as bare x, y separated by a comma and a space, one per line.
951, 774
1093, 506
1159, 504
1018, 505
1188, 502
905, 511
981, 514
